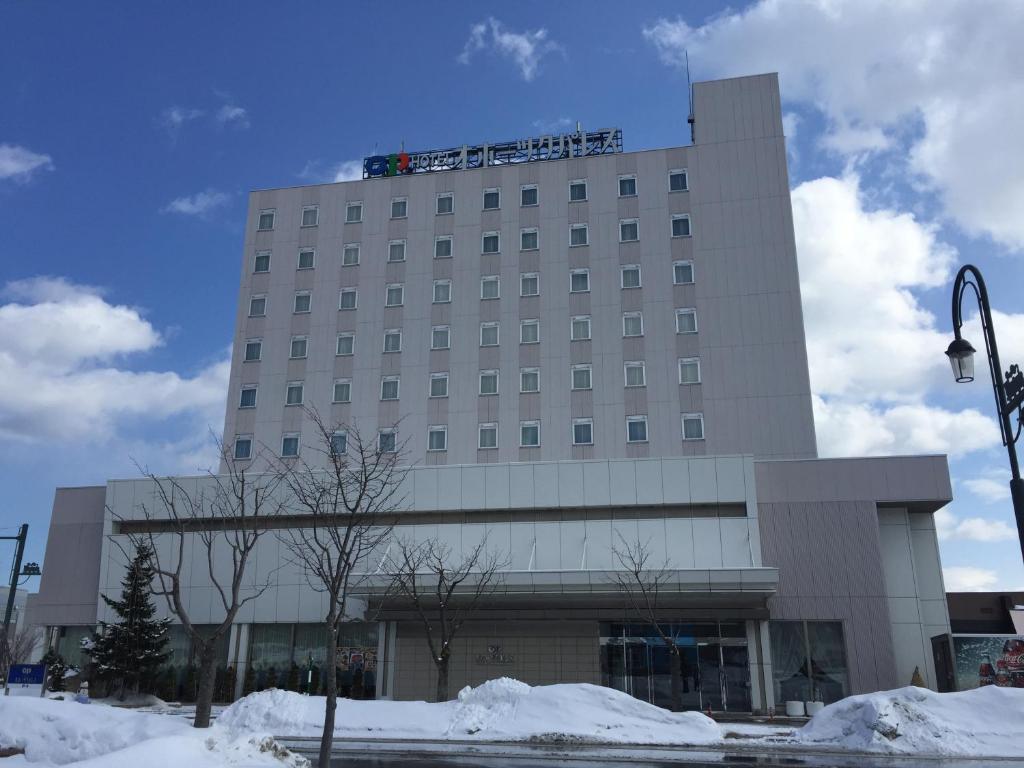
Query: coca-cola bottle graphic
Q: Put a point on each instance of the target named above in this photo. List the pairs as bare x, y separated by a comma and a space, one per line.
986, 672
1002, 674
1013, 655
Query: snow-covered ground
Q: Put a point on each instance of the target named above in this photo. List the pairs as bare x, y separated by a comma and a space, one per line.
987, 722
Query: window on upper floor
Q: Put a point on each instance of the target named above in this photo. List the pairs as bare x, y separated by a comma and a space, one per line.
290, 445
257, 305
293, 393
689, 370
353, 212
247, 399
678, 181
579, 281
266, 219
629, 230
693, 426
529, 284
582, 431
253, 350
399, 208
439, 384
490, 242
437, 438
579, 234
243, 447
579, 328
490, 287
636, 429
442, 292
348, 298
529, 434
529, 240
635, 373
445, 203
488, 334
393, 340
394, 295
396, 251
303, 302
686, 321
350, 255
488, 382
310, 215
492, 199
582, 376
529, 331
307, 259
627, 185
440, 337
681, 225
632, 324
389, 387
682, 272
346, 344
339, 443
528, 195
577, 190
443, 247
630, 274
487, 436
298, 347
387, 441
262, 262
342, 391
529, 380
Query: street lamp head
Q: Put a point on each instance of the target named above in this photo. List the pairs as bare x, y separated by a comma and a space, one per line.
961, 358
31, 569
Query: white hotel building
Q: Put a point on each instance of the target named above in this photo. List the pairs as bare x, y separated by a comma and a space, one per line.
573, 351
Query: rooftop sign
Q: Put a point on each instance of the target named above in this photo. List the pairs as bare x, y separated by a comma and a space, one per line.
554, 147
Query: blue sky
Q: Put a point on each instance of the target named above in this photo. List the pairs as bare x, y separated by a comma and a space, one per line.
129, 136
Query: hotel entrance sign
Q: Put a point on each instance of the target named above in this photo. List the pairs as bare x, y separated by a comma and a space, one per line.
552, 147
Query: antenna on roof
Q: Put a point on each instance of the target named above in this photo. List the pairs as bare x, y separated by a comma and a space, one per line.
689, 98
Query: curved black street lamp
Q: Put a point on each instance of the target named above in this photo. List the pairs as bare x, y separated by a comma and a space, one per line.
1008, 387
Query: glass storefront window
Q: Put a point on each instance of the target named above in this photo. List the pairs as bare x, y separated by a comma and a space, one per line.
808, 661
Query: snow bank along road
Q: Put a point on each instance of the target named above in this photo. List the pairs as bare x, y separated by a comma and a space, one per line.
505, 717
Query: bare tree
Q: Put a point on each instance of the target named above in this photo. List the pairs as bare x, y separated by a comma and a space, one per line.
443, 590
347, 496
17, 647
226, 515
642, 584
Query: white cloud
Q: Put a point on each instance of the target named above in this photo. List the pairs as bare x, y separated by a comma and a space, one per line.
556, 125
526, 49
992, 487
319, 172
199, 204
936, 82
963, 578
949, 526
233, 115
63, 374
19, 163
173, 118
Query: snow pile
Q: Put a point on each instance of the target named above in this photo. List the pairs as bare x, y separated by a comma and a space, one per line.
507, 710
53, 732
985, 722
501, 710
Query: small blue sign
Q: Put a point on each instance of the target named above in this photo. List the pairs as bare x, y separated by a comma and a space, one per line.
26, 674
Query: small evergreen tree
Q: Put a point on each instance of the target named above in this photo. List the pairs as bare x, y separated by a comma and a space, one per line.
132, 649
56, 668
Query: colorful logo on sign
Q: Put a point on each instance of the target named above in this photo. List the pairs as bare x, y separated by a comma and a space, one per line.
387, 165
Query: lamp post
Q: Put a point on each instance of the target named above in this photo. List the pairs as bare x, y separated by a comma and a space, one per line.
1008, 388
30, 569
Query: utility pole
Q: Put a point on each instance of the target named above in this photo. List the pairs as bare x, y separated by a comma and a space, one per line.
31, 569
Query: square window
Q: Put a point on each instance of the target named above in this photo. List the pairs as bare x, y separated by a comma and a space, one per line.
488, 382
488, 334
632, 324
490, 287
257, 306
529, 434
528, 240
346, 344
445, 203
347, 300
631, 276
298, 347
582, 377
579, 281
579, 234
393, 340
681, 226
342, 391
387, 441
629, 230
399, 207
303, 302
682, 272
636, 375
439, 385
528, 195
627, 186
262, 262
395, 295
529, 331
293, 393
440, 337
443, 247
290, 446
492, 199
248, 396
577, 190
582, 432
579, 329
491, 242
353, 213
266, 220
389, 388
442, 291
686, 321
677, 181
529, 284
529, 380
350, 255
310, 215
689, 370
339, 443
243, 447
693, 426
487, 436
636, 429
253, 350
396, 251
437, 438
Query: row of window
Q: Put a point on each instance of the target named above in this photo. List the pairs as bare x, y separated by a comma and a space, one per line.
581, 378
490, 288
581, 434
529, 196
490, 243
440, 335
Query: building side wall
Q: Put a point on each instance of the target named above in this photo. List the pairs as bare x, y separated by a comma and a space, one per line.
70, 584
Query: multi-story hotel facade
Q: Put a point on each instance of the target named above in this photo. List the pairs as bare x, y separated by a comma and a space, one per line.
573, 352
